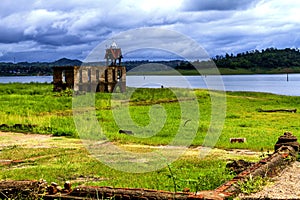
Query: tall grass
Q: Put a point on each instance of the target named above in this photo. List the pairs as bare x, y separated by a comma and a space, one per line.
35, 105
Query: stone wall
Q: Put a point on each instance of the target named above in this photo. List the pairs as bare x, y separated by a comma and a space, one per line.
63, 78
90, 78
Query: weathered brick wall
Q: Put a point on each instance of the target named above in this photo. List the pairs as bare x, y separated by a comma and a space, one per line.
63, 77
99, 78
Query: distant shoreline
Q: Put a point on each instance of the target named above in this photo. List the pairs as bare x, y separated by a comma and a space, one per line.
222, 71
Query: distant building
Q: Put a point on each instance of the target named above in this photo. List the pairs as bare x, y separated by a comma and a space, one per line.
109, 78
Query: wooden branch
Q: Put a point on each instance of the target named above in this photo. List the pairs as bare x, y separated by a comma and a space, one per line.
278, 110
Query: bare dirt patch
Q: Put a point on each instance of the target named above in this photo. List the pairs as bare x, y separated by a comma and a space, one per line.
10, 139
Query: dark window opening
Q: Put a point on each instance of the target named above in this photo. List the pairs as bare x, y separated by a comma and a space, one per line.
114, 74
63, 74
119, 74
80, 76
89, 75
97, 75
106, 75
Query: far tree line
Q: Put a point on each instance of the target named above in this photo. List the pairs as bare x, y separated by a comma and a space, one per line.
266, 58
287, 59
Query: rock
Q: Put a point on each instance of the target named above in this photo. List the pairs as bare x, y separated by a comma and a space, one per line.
288, 139
52, 190
42, 184
59, 189
67, 187
295, 145
54, 184
238, 166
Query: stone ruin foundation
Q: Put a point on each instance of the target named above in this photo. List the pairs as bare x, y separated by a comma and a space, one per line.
89, 78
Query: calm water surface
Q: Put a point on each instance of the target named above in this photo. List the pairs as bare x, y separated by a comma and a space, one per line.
25, 79
272, 83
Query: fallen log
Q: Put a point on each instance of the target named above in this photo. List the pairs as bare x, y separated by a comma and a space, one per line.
278, 110
94, 192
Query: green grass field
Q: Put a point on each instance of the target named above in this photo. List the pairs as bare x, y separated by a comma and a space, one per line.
34, 108
76, 165
51, 113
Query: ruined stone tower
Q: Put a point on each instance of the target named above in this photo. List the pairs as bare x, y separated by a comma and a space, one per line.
109, 78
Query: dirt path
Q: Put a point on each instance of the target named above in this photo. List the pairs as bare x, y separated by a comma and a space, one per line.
284, 186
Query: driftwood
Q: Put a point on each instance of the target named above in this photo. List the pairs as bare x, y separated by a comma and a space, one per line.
126, 132
278, 110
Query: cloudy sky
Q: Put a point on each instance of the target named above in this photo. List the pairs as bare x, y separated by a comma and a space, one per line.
47, 30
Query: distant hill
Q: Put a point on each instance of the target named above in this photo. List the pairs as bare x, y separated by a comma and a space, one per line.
67, 62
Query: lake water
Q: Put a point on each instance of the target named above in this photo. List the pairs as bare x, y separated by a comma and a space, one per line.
272, 83
25, 79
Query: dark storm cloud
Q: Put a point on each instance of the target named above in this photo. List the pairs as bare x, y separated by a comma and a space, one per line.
10, 35
73, 28
222, 5
8, 7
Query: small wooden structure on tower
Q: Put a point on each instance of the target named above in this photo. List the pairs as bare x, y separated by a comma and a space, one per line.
113, 54
109, 78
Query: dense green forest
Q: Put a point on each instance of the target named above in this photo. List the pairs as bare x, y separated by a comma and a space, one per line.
270, 60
